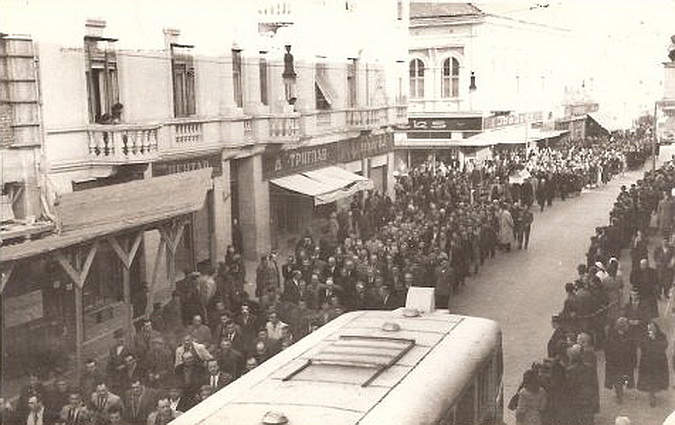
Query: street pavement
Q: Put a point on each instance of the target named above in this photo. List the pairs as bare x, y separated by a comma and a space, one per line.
522, 289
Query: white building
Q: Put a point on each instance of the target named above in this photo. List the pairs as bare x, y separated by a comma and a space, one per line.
471, 70
152, 135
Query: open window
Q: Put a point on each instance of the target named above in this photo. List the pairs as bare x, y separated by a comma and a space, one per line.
102, 80
237, 78
183, 74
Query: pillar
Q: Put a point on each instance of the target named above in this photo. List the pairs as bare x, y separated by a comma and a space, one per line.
222, 215
254, 208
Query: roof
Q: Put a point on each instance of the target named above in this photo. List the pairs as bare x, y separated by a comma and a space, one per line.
102, 211
441, 10
334, 392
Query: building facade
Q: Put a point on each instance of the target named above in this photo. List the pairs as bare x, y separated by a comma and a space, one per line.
151, 148
472, 71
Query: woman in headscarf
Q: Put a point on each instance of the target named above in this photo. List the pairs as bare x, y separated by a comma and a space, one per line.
653, 372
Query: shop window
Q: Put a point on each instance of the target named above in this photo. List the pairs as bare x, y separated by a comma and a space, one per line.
101, 76
416, 78
263, 81
183, 72
351, 83
324, 93
450, 82
237, 78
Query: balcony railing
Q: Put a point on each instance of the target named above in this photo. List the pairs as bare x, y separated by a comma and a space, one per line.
188, 133
275, 11
123, 143
284, 128
324, 118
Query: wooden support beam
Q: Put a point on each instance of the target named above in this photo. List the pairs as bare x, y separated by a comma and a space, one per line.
6, 275
78, 273
125, 254
79, 330
171, 233
155, 275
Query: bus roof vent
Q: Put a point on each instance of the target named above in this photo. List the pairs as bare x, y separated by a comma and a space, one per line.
274, 418
374, 353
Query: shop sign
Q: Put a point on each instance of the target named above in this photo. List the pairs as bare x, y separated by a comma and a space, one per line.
190, 164
22, 309
444, 124
365, 146
299, 160
511, 119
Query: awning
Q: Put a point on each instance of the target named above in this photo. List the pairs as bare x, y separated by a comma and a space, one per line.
605, 121
326, 89
325, 185
103, 211
537, 134
512, 135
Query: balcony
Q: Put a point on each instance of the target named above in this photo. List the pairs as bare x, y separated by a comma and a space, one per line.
284, 129
122, 144
369, 118
275, 12
187, 133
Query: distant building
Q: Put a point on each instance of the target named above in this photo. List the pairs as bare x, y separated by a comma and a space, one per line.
472, 72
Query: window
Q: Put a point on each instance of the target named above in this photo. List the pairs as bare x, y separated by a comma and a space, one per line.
351, 83
450, 83
237, 78
263, 81
399, 10
101, 74
183, 72
416, 78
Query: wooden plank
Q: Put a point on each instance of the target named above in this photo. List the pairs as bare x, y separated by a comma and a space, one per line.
87, 264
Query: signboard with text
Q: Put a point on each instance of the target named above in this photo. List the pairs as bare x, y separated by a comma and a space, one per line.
511, 119
190, 164
299, 160
365, 146
308, 158
444, 124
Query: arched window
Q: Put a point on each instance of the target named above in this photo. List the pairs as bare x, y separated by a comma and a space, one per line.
416, 78
450, 83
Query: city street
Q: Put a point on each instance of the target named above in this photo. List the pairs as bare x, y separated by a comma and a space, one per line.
521, 291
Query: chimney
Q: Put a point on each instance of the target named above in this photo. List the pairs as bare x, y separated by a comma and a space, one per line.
94, 27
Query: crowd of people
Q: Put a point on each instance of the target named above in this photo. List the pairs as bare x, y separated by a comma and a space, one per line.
606, 310
443, 225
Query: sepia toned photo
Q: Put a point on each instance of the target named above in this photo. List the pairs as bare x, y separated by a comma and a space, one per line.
337, 212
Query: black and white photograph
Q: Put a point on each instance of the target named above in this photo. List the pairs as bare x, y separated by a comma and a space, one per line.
337, 212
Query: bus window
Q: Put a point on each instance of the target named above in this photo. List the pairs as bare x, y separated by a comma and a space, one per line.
466, 407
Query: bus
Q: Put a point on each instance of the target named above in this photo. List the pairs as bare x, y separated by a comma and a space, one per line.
372, 368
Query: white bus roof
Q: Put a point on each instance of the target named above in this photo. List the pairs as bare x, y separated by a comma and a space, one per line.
317, 380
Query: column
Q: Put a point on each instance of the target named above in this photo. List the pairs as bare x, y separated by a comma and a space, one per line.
222, 215
251, 85
254, 208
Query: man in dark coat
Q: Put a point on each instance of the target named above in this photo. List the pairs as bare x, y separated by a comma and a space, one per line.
139, 401
620, 358
292, 288
646, 283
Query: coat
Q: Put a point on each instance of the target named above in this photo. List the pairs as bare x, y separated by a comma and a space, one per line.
530, 406
505, 228
653, 372
147, 403
620, 359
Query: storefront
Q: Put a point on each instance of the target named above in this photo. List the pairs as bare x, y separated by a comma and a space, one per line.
430, 139
306, 184
69, 292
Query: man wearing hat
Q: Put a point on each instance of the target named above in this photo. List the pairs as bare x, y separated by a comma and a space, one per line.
444, 281
620, 358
